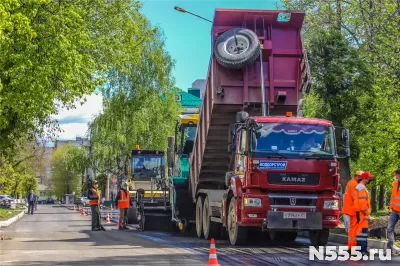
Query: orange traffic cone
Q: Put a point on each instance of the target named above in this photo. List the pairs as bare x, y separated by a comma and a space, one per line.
107, 219
112, 207
212, 259
83, 212
74, 208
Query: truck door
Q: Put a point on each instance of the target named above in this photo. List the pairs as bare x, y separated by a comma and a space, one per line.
241, 158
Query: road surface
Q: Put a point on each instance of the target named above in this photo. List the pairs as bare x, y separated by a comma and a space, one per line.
58, 236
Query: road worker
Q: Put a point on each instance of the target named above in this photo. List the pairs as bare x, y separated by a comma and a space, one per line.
349, 213
395, 208
93, 196
123, 202
363, 210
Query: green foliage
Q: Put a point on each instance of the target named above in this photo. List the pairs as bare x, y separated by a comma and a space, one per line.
54, 52
366, 54
340, 78
139, 107
68, 164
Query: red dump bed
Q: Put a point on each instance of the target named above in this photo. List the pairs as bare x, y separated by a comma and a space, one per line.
228, 91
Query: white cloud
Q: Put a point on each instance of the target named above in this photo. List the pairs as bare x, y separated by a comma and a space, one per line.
74, 122
72, 130
85, 112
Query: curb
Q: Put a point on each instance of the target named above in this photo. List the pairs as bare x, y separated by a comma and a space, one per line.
342, 239
12, 220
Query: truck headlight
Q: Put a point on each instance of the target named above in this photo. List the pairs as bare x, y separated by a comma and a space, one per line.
331, 204
252, 202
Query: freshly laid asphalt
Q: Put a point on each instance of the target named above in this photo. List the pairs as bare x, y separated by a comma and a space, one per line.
55, 235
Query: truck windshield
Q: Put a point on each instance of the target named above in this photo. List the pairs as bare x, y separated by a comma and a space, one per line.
302, 139
147, 166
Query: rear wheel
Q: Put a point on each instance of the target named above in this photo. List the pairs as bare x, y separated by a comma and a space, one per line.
237, 234
319, 237
199, 216
210, 229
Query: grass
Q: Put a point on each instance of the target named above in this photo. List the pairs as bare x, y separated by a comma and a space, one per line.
380, 213
21, 206
6, 214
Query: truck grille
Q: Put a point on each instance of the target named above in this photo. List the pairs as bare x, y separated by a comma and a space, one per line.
288, 202
293, 179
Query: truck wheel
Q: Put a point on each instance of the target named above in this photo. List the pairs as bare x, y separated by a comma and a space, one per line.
319, 237
237, 234
199, 216
210, 229
237, 48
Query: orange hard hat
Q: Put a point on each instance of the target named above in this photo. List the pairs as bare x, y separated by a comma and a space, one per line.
358, 173
367, 175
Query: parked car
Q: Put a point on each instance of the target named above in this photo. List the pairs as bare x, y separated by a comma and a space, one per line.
82, 201
7, 201
50, 201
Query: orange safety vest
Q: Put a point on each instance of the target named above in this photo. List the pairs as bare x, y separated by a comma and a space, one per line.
348, 201
395, 197
94, 201
361, 200
123, 202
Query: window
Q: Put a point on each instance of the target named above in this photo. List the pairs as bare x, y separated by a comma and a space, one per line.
42, 193
243, 141
295, 139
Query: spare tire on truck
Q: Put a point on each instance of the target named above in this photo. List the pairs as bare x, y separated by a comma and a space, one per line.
237, 48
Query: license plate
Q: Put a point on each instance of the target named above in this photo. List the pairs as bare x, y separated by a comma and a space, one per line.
294, 215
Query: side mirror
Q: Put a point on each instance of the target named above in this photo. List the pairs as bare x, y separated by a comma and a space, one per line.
228, 176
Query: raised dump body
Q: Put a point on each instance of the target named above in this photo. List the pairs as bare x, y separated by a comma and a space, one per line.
231, 88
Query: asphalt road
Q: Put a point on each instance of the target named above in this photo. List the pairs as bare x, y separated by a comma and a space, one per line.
59, 236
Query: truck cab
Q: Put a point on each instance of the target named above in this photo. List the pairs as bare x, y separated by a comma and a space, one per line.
285, 171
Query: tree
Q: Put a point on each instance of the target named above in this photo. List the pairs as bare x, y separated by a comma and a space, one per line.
341, 78
68, 166
140, 108
55, 52
372, 29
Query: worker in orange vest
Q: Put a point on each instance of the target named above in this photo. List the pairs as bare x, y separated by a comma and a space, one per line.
395, 208
93, 196
363, 210
349, 212
123, 202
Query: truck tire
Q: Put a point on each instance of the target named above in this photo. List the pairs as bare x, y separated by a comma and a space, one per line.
199, 216
237, 234
210, 229
237, 48
319, 237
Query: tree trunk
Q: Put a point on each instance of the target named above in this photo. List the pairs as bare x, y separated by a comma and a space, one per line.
373, 200
339, 14
382, 193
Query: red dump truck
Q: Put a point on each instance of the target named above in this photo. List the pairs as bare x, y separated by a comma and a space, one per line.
255, 162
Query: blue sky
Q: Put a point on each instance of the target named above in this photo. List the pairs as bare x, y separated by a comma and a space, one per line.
187, 41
